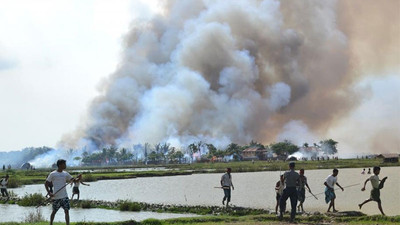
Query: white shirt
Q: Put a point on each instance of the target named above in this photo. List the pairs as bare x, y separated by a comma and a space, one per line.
331, 181
4, 183
76, 184
374, 181
279, 189
59, 180
226, 180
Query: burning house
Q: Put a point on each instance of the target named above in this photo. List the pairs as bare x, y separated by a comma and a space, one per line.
254, 153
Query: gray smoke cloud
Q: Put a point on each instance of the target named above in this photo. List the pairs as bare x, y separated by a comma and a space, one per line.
222, 71
231, 71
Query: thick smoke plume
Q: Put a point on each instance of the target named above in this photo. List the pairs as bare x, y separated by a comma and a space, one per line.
223, 71
229, 71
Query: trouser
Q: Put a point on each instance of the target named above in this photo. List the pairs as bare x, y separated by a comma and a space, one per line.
227, 194
292, 193
4, 192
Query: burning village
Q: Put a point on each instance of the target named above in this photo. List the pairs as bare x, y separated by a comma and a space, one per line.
200, 111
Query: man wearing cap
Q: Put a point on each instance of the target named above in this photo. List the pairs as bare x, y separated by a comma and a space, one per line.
291, 178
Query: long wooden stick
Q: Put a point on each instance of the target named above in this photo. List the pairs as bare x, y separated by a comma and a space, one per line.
335, 189
49, 198
313, 195
223, 187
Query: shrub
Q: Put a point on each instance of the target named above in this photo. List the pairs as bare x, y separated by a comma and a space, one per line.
32, 200
13, 182
129, 206
86, 205
34, 217
88, 177
151, 222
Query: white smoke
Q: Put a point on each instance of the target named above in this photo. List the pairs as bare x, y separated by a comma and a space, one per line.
297, 133
215, 71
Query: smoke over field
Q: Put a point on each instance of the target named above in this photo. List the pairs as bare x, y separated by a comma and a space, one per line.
235, 71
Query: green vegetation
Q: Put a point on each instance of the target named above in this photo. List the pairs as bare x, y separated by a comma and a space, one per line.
246, 220
248, 166
130, 206
32, 200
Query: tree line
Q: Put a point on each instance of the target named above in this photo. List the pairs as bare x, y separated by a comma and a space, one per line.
164, 153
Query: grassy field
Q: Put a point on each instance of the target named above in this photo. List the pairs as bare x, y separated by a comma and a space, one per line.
23, 177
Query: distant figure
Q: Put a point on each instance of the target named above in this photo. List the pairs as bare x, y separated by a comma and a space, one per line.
375, 191
4, 167
301, 190
60, 180
330, 196
280, 185
4, 183
9, 167
226, 184
363, 171
369, 170
76, 183
291, 178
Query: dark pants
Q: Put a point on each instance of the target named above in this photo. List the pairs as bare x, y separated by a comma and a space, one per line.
4, 192
292, 193
227, 194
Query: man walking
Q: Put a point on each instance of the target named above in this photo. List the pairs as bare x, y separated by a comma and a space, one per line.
60, 179
291, 178
301, 190
226, 184
330, 195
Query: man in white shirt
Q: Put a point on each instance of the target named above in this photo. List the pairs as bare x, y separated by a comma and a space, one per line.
226, 184
4, 183
330, 195
60, 179
375, 191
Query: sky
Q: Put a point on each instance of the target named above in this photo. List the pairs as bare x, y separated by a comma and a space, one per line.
53, 55
56, 55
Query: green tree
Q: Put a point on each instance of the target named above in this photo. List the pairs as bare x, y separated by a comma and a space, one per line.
284, 148
212, 151
329, 146
235, 150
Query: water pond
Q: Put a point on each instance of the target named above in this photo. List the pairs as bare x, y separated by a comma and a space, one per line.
254, 189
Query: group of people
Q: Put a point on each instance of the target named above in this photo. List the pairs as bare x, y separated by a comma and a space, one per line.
293, 185
369, 171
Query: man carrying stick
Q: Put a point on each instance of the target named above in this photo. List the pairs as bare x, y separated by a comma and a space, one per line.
376, 186
301, 190
60, 180
291, 178
226, 184
330, 196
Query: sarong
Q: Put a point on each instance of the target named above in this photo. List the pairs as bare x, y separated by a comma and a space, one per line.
375, 195
301, 194
329, 194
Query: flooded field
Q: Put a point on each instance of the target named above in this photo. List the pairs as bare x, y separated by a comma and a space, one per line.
254, 189
19, 214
